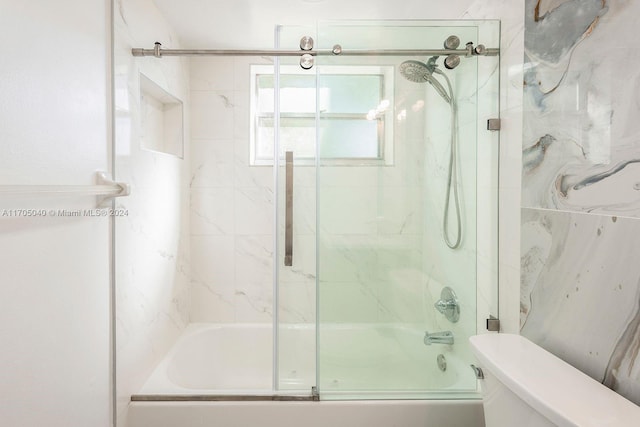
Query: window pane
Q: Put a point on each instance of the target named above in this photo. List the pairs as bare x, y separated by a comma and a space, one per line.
296, 134
353, 105
264, 96
351, 138
350, 93
297, 93
264, 139
297, 100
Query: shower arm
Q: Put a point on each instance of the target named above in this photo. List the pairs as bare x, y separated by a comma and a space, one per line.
337, 50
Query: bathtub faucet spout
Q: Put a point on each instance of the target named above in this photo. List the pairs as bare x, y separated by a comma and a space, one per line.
444, 337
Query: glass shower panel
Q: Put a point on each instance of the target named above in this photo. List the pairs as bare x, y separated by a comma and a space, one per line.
382, 257
295, 124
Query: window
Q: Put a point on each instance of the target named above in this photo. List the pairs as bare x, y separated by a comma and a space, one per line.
355, 112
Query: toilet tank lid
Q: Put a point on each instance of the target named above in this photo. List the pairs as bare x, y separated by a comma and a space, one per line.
560, 392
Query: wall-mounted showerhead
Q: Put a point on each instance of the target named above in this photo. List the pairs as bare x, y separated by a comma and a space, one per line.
419, 72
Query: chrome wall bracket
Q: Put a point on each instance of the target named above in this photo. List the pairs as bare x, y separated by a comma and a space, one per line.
493, 324
494, 124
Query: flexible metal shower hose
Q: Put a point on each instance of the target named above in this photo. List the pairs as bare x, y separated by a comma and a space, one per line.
452, 183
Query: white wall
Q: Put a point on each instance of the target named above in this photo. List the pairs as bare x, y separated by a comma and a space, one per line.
54, 293
152, 242
250, 23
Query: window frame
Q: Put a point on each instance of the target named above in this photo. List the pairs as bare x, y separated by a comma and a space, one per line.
384, 117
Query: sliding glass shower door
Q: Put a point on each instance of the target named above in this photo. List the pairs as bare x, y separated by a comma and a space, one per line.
387, 201
295, 133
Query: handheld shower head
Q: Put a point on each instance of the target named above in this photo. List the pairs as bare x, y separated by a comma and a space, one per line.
419, 72
415, 71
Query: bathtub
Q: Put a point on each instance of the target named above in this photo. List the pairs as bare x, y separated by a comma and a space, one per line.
197, 382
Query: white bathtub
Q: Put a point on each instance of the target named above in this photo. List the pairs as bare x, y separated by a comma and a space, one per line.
356, 361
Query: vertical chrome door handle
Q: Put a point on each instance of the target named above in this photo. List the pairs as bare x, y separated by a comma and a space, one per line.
288, 215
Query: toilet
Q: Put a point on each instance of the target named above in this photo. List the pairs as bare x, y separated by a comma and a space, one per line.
526, 386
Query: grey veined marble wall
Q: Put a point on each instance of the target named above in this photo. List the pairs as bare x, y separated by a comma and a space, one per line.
580, 280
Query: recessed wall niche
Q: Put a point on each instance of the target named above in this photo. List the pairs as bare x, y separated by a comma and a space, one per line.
161, 119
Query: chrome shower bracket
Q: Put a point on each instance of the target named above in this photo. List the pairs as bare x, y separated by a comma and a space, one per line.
448, 305
306, 59
479, 50
306, 43
452, 61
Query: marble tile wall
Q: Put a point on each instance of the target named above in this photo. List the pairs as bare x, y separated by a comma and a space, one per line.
151, 243
371, 218
232, 210
580, 282
232, 214
381, 214
374, 265
232, 203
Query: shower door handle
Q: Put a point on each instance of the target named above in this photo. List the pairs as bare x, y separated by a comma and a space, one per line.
288, 214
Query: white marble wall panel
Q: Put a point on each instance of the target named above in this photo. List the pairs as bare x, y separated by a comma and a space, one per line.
246, 176
212, 114
209, 216
152, 243
253, 210
303, 269
337, 302
401, 210
213, 278
212, 163
298, 301
213, 259
580, 287
346, 210
254, 259
232, 203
